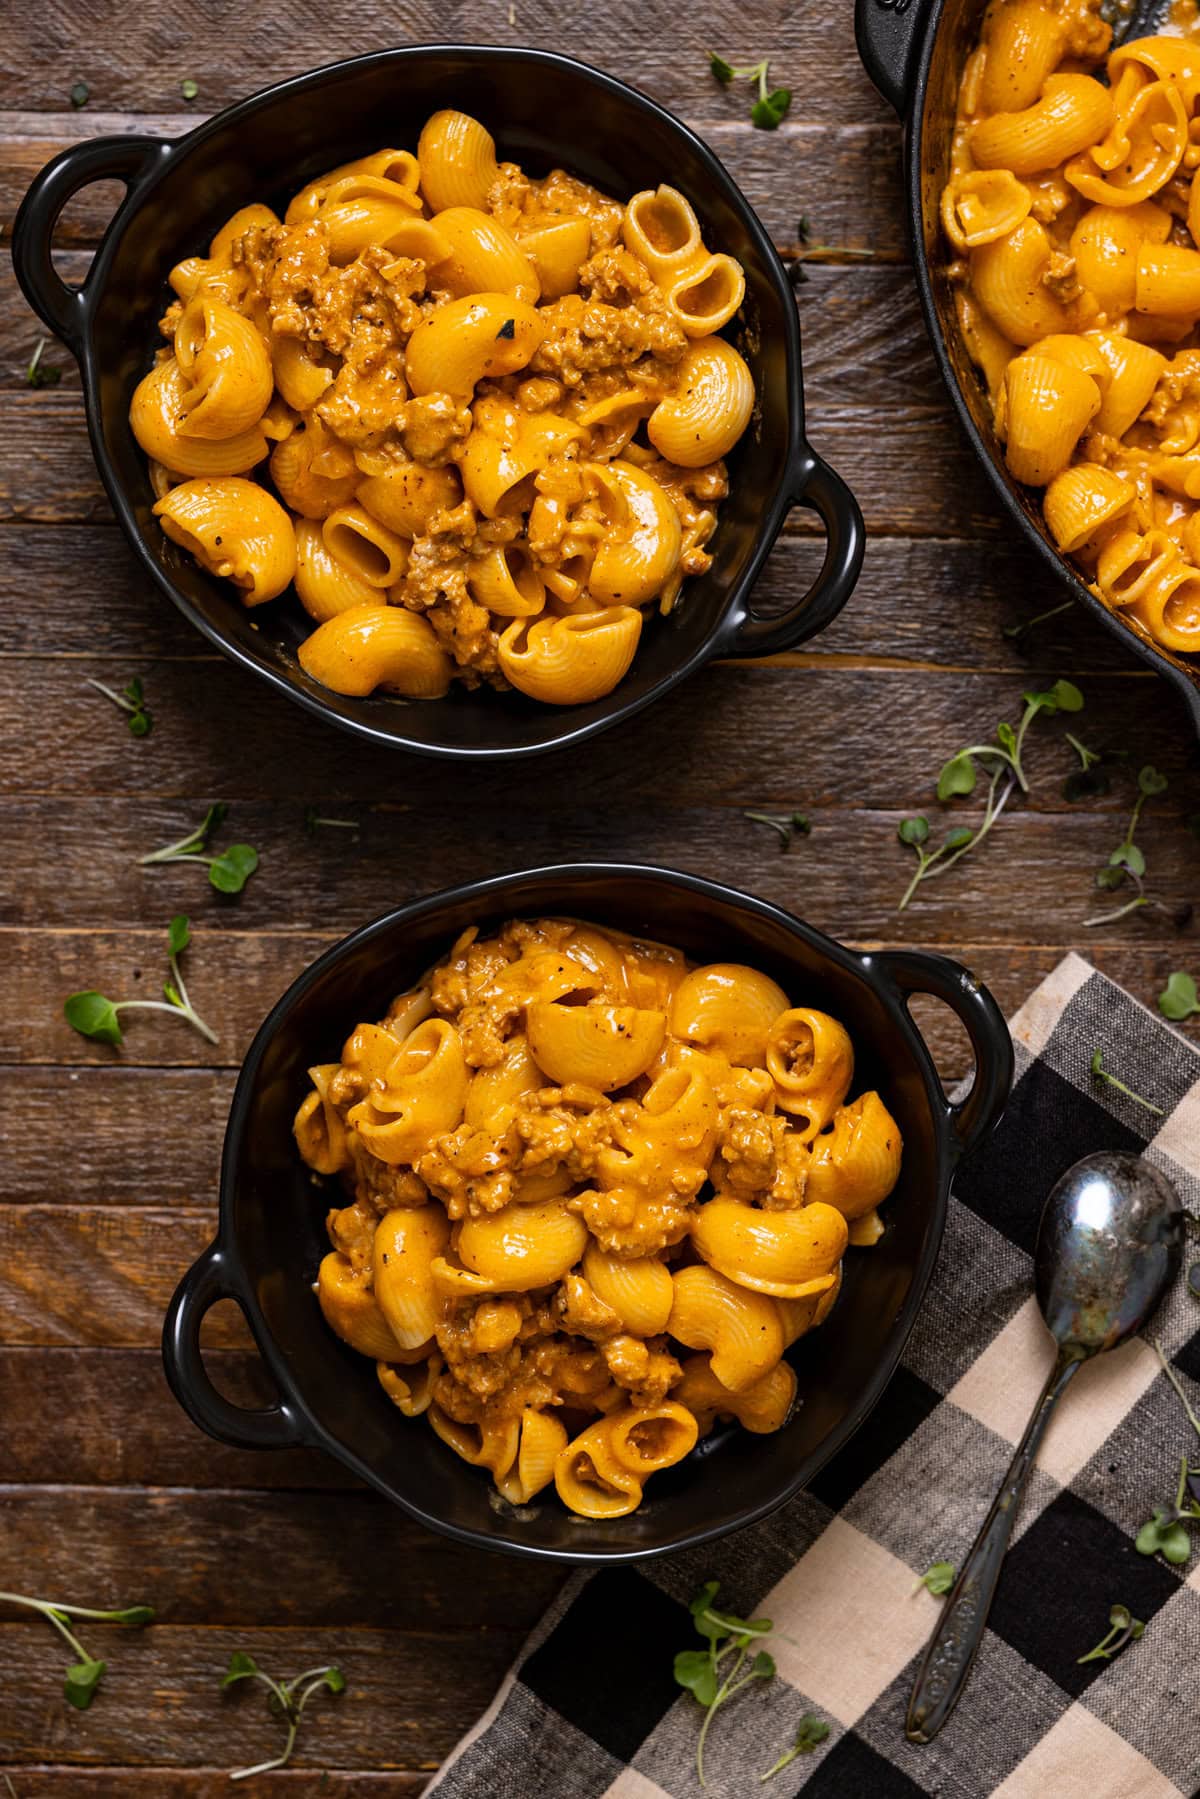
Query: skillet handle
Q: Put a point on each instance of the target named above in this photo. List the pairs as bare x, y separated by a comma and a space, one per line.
129, 159
918, 971
826, 494
274, 1427
889, 33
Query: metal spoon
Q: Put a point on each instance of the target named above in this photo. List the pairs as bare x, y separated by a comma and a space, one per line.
1109, 1245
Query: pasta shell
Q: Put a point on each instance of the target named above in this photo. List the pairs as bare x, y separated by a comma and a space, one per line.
351, 1310
599, 1045
1049, 407
728, 1007
743, 1330
236, 530
568, 661
522, 1247
1082, 499
786, 1254
406, 1241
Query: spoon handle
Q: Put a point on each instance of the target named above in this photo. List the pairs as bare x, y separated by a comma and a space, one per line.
952, 1648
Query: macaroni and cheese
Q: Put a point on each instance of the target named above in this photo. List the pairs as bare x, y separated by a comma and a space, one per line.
592, 1194
1074, 216
476, 420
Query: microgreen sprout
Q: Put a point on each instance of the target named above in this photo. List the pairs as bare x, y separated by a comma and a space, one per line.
189, 88
228, 872
1123, 1628
1179, 999
771, 106
811, 1732
1165, 1532
80, 94
1017, 633
1004, 771
132, 700
700, 1670
285, 1698
1090, 780
938, 1578
1101, 1074
84, 1675
786, 824
958, 775
314, 821
93, 1015
39, 373
810, 252
1128, 862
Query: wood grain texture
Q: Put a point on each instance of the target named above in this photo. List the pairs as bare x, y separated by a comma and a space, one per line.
139, 62
103, 1480
246, 1560
405, 1682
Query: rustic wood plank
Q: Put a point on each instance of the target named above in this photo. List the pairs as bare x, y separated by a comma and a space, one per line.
844, 178
849, 873
47, 474
651, 47
341, 1561
924, 603
734, 736
161, 1703
109, 1163
116, 1423
862, 328
50, 1782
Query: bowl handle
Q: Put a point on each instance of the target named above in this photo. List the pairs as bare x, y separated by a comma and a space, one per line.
206, 1281
128, 159
826, 494
889, 33
917, 971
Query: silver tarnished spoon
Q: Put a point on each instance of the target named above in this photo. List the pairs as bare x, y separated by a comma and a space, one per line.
1109, 1245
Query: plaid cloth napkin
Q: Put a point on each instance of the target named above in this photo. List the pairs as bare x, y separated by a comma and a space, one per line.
591, 1710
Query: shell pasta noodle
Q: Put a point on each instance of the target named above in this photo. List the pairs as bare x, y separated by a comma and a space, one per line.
592, 1194
1073, 214
474, 421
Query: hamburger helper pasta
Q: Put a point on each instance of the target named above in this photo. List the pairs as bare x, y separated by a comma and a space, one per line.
592, 1194
1074, 213
493, 409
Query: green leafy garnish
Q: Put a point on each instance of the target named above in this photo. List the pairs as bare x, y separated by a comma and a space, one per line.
786, 824
1015, 633
1165, 1533
508, 329
80, 94
1001, 765
39, 373
1128, 862
1123, 1628
227, 872
132, 700
83, 1676
313, 821
94, 1015
771, 105
700, 1670
189, 88
811, 1732
1179, 999
938, 1578
1090, 780
1101, 1073
285, 1698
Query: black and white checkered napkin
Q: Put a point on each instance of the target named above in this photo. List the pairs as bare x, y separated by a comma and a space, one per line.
591, 1710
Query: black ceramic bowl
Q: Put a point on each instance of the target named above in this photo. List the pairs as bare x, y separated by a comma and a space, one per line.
914, 51
272, 1235
543, 110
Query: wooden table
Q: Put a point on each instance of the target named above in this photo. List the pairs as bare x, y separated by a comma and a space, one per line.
108, 1493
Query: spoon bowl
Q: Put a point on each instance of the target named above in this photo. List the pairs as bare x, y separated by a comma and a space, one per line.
1109, 1244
